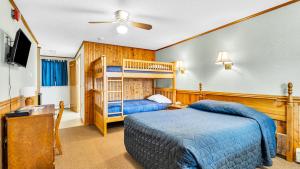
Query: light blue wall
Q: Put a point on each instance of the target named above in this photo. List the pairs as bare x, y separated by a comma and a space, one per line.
265, 51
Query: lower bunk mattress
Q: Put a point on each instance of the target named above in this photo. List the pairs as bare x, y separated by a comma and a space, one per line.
135, 106
190, 138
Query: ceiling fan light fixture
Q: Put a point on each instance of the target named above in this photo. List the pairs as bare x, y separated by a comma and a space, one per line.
122, 15
122, 29
122, 19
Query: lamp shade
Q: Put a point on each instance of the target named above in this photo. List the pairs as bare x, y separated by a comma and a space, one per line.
223, 58
179, 64
28, 91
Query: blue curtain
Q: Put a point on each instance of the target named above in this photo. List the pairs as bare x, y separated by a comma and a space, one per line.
54, 73
58, 73
65, 73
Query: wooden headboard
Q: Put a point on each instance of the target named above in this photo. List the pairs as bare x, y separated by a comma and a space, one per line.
284, 110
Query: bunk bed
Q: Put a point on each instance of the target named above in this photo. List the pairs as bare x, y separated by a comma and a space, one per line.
108, 89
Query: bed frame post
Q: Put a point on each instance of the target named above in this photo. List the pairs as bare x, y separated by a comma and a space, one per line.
290, 124
154, 86
174, 83
92, 69
201, 96
200, 87
105, 96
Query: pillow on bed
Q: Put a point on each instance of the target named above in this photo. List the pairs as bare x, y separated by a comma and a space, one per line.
222, 107
159, 99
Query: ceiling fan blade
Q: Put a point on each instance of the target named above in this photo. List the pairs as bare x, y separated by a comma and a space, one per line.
95, 22
141, 25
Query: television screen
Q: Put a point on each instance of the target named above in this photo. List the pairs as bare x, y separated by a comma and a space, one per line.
20, 51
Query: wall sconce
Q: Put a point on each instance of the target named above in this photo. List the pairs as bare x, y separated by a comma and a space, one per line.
180, 67
224, 59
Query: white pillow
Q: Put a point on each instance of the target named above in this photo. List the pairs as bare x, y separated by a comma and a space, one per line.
159, 99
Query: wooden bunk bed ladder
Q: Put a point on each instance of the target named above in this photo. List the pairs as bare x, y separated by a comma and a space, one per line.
115, 94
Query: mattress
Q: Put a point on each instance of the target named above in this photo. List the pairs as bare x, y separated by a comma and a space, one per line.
114, 68
192, 138
135, 106
119, 69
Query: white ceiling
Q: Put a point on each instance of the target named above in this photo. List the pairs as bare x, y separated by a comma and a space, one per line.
61, 25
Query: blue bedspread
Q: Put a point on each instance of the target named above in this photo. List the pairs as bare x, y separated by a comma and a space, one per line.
193, 138
136, 106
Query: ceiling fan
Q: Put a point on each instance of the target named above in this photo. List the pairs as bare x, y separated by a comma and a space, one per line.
122, 18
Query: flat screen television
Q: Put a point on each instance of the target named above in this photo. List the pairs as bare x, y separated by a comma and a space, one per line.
20, 51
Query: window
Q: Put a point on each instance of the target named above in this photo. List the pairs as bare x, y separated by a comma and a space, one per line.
54, 73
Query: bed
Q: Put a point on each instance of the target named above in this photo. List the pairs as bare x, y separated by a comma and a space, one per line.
207, 135
111, 84
135, 106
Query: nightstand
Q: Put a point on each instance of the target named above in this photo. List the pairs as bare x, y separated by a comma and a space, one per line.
177, 106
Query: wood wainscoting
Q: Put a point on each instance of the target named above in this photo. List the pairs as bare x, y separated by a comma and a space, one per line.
284, 110
115, 55
11, 105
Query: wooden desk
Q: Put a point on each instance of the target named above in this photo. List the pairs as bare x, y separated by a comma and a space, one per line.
30, 140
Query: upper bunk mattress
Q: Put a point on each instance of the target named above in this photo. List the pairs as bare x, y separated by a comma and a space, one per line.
135, 106
192, 138
119, 69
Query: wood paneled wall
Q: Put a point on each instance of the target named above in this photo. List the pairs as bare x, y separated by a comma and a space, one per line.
115, 55
137, 88
13, 104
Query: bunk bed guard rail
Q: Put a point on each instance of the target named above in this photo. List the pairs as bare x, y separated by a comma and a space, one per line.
151, 66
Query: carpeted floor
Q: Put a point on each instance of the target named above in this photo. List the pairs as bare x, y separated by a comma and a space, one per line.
70, 119
85, 148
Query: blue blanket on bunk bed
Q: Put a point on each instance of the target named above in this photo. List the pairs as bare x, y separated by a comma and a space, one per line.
119, 69
114, 68
135, 106
207, 135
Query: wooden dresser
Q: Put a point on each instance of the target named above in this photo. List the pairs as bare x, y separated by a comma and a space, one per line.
29, 140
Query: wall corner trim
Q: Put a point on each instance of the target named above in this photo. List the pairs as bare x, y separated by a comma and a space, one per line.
13, 4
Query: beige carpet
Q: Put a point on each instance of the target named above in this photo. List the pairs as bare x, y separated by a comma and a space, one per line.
70, 119
85, 148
